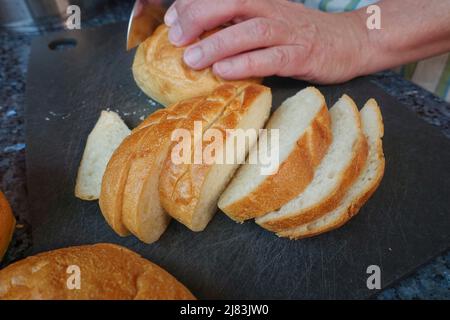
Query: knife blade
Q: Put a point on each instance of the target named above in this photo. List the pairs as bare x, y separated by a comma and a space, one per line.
146, 16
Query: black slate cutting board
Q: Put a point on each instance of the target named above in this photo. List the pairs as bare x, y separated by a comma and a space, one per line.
404, 225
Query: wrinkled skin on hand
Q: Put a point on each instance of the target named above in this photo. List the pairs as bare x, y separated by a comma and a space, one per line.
270, 37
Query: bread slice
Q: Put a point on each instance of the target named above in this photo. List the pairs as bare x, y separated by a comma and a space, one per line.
142, 213
305, 134
108, 272
7, 224
116, 173
335, 174
106, 136
189, 192
364, 186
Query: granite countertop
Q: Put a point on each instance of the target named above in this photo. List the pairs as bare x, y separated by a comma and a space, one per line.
432, 281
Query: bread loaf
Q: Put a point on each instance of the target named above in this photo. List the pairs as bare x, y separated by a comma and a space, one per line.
106, 272
117, 171
7, 224
159, 70
142, 211
338, 170
305, 134
189, 192
106, 136
116, 174
361, 190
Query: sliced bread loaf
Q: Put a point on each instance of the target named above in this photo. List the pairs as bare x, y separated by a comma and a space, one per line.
304, 129
116, 173
362, 189
106, 136
159, 70
108, 272
190, 191
337, 171
142, 213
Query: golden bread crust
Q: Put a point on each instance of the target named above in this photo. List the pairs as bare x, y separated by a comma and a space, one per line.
7, 224
159, 70
106, 272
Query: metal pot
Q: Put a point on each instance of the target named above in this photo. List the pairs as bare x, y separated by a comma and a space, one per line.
34, 15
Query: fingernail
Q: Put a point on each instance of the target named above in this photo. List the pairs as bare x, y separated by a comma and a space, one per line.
223, 67
193, 56
176, 33
171, 17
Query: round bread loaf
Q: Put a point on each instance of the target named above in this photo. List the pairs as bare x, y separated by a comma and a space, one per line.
159, 70
7, 224
99, 272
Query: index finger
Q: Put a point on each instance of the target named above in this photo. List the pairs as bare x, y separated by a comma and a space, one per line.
194, 17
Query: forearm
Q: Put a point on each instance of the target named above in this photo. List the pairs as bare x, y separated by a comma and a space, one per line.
411, 30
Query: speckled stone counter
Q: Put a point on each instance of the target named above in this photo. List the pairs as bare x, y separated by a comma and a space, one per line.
432, 281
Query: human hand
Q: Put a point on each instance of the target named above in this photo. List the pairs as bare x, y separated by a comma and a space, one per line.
270, 37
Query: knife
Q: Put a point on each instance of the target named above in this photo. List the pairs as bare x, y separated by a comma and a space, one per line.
146, 16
